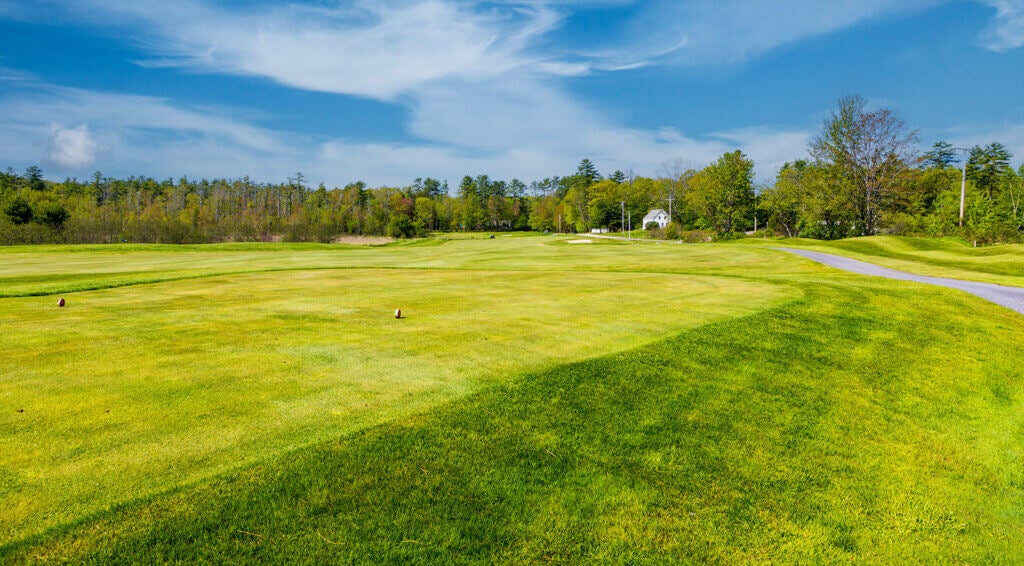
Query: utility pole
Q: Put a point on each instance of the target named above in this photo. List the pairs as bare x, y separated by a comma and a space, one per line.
963, 184
670, 199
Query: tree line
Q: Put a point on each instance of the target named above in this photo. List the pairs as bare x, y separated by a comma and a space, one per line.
863, 175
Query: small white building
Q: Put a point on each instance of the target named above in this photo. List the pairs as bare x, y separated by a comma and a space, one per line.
657, 215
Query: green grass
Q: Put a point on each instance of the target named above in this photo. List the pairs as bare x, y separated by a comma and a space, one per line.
951, 258
541, 402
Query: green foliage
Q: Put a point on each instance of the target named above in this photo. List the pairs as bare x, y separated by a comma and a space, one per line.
941, 156
19, 211
51, 214
866, 154
401, 227
859, 182
586, 173
723, 193
34, 178
986, 165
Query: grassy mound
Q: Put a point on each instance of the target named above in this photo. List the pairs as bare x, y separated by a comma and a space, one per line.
1000, 264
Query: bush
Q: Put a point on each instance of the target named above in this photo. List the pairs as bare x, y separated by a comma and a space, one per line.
19, 211
698, 236
401, 227
51, 214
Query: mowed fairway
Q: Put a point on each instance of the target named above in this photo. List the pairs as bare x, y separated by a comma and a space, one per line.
541, 402
135, 389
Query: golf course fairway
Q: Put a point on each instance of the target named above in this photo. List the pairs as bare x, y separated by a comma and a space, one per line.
538, 401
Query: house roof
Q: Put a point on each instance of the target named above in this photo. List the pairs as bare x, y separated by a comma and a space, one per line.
654, 213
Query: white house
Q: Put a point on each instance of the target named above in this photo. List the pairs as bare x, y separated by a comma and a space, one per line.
657, 215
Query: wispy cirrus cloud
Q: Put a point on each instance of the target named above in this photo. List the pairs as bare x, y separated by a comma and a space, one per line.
486, 92
75, 131
379, 49
482, 97
1007, 30
717, 32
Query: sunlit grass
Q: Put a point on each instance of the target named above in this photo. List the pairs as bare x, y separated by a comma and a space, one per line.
1000, 264
542, 401
130, 390
841, 427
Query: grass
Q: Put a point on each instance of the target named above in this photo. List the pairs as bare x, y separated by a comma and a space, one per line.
778, 411
129, 390
950, 258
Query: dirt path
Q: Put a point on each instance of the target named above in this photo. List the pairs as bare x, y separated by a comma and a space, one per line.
1009, 297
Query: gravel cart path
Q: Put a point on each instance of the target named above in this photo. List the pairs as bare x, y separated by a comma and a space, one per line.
1009, 297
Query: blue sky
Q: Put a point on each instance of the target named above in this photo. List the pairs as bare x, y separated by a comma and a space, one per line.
385, 91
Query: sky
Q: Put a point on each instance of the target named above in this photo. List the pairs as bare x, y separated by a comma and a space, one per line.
390, 90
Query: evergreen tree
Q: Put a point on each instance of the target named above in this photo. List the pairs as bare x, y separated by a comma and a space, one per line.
986, 164
941, 155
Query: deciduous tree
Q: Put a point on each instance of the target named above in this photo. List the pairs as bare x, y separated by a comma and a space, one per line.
868, 151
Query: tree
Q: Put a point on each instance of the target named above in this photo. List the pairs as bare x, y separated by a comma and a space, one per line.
577, 197
544, 212
432, 187
723, 193
986, 165
677, 175
34, 177
605, 209
472, 216
869, 151
425, 213
298, 181
587, 172
942, 155
53, 215
19, 211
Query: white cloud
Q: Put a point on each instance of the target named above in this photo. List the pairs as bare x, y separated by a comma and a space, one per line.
73, 130
124, 135
1007, 31
714, 32
1010, 135
371, 48
770, 147
72, 148
483, 95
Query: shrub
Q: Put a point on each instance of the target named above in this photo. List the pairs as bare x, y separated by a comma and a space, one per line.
401, 227
51, 214
19, 211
